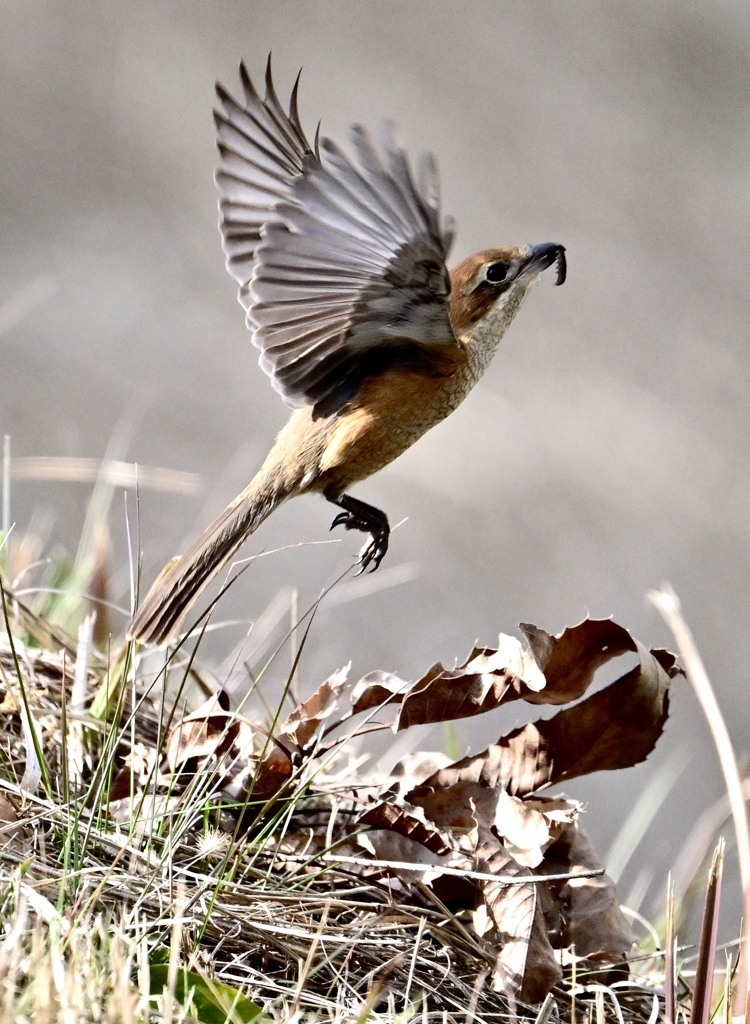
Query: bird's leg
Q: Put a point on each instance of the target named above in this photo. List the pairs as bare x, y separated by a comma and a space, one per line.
358, 515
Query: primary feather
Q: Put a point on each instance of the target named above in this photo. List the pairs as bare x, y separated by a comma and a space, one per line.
335, 259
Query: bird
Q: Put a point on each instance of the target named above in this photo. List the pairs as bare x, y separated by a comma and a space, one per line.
341, 266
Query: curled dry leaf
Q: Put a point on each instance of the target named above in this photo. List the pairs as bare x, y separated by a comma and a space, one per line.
215, 734
144, 810
525, 963
8, 813
400, 849
554, 670
140, 769
414, 768
14, 834
406, 823
489, 677
485, 811
528, 827
214, 731
277, 764
304, 721
302, 844
615, 728
570, 659
274, 770
584, 912
209, 730
375, 689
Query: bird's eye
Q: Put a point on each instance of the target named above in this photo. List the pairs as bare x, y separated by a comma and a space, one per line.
496, 273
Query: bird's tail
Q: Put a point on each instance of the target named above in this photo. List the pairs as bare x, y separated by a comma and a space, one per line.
181, 581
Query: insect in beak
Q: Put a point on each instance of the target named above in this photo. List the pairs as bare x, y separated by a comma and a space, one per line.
546, 255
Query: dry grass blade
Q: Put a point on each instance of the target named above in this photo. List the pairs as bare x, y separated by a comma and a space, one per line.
668, 605
704, 973
41, 630
670, 959
546, 1009
727, 996
114, 472
36, 767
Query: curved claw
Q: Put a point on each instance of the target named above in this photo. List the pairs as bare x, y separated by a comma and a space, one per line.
350, 522
373, 552
357, 515
342, 517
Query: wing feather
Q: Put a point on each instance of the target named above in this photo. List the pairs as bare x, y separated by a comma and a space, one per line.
336, 258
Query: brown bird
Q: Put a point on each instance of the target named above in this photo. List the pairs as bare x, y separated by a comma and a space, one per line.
362, 329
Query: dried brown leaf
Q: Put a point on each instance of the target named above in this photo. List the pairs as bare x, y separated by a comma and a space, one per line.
304, 721
570, 659
140, 769
488, 678
302, 843
413, 769
14, 834
213, 732
615, 728
274, 771
392, 818
375, 689
528, 827
555, 670
8, 813
209, 730
399, 849
508, 914
585, 912
277, 764
144, 811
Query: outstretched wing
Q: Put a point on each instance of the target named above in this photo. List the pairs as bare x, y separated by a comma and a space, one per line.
263, 150
341, 264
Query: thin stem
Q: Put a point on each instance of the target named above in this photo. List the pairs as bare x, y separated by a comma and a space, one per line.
668, 605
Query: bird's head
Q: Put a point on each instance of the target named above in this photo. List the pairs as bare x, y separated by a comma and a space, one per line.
489, 286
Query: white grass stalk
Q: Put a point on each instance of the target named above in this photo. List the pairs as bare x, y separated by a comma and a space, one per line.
78, 696
32, 773
668, 605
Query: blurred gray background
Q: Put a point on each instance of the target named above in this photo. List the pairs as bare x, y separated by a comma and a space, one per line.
604, 452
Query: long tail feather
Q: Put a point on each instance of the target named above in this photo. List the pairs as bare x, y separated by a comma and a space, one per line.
180, 583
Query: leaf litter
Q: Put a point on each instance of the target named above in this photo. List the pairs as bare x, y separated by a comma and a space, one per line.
494, 871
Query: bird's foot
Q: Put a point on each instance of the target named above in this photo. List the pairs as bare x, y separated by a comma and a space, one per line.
373, 552
358, 515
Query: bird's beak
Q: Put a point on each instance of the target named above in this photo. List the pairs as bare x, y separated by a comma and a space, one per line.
547, 255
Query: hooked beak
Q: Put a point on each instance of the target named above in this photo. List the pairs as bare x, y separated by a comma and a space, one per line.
546, 255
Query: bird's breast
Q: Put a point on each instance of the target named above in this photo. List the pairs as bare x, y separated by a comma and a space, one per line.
390, 413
